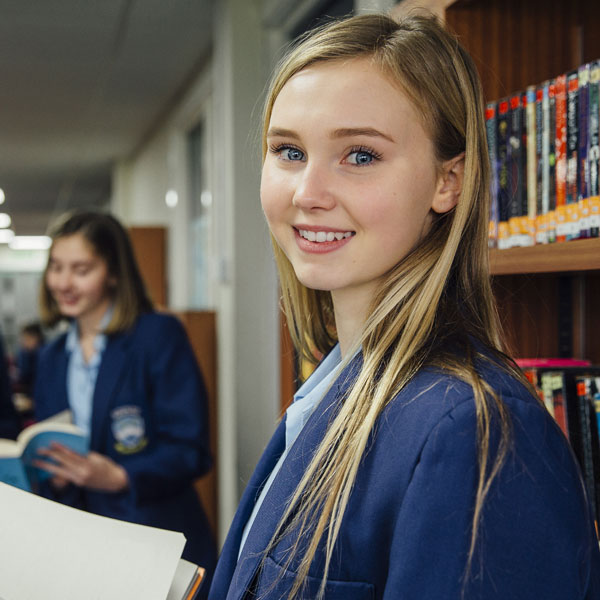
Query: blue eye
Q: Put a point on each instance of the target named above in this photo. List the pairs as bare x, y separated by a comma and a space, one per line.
286, 152
362, 156
292, 154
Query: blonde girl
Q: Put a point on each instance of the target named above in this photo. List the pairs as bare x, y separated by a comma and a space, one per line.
414, 463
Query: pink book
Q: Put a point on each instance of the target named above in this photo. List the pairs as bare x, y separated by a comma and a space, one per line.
552, 363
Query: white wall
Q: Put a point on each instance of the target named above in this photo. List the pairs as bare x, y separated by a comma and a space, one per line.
228, 93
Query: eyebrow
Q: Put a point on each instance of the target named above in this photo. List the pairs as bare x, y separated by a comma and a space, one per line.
336, 134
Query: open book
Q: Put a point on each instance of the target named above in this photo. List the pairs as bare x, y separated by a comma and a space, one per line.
16, 456
52, 551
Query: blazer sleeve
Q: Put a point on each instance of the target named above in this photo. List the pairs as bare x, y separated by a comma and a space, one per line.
179, 451
535, 538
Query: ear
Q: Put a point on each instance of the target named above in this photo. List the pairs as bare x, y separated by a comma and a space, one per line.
449, 184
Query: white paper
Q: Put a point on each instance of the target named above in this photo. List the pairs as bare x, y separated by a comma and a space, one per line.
55, 552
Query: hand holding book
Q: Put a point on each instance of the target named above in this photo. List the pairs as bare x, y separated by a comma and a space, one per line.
93, 470
17, 458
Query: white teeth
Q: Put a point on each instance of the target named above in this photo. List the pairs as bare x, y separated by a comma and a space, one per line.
323, 236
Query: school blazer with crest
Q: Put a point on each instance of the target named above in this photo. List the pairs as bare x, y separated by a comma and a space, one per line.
148, 375
406, 530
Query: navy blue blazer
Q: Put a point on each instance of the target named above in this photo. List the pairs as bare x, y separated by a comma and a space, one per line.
150, 416
406, 531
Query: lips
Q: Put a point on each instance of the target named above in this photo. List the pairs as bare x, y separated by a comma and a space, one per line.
321, 240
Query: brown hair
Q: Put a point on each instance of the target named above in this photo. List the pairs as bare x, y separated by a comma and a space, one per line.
110, 241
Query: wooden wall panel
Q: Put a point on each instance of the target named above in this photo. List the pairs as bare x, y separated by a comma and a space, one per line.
528, 305
202, 332
591, 325
517, 43
150, 249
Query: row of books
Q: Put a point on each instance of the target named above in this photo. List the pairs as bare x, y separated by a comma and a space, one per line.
544, 150
570, 391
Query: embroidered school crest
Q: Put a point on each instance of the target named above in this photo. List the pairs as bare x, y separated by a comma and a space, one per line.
128, 429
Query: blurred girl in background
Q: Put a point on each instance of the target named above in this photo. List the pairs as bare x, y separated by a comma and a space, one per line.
130, 378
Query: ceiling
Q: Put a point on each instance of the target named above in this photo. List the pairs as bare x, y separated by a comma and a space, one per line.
82, 84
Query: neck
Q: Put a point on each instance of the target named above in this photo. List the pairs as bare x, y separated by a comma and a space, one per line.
350, 309
89, 324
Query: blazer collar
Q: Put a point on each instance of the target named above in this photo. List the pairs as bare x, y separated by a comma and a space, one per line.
284, 485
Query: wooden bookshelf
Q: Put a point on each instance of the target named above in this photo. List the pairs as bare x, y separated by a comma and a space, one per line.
576, 255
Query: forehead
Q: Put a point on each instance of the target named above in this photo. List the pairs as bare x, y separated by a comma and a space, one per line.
72, 247
344, 89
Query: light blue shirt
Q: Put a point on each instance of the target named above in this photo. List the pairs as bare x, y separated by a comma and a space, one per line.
82, 375
305, 400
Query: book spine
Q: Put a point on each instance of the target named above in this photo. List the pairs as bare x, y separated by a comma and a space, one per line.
589, 441
504, 175
545, 382
558, 400
561, 156
572, 231
531, 152
537, 218
517, 207
594, 150
583, 150
550, 217
492, 141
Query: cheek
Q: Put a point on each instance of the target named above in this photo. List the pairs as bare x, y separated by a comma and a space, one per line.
272, 195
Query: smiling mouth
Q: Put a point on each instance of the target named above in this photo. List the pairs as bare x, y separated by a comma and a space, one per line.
324, 236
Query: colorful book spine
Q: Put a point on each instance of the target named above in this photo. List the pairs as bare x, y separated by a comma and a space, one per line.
544, 126
561, 156
504, 175
550, 218
515, 210
492, 141
572, 230
594, 150
531, 163
582, 153
538, 217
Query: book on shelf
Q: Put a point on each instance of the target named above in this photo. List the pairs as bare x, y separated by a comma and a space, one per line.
544, 150
503, 172
491, 127
572, 213
593, 202
16, 456
570, 391
50, 550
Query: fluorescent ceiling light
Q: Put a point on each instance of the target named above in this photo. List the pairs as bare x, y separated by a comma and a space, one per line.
30, 242
6, 236
171, 198
5, 221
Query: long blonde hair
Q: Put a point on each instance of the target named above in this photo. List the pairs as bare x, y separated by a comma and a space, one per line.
431, 306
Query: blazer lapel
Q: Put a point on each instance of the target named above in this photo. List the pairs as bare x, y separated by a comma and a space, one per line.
111, 366
229, 555
286, 482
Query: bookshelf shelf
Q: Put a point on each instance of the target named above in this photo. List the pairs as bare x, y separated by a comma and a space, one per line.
576, 255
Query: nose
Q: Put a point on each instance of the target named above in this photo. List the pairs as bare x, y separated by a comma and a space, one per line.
314, 189
61, 281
